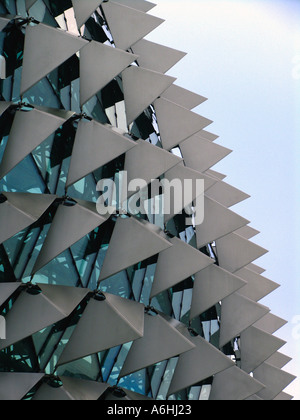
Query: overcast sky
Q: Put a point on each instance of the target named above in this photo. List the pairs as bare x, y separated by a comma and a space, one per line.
244, 56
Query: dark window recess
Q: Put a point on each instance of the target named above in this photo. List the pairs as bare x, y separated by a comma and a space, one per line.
13, 49
57, 7
111, 94
7, 274
209, 315
6, 121
65, 74
96, 31
62, 144
144, 126
184, 285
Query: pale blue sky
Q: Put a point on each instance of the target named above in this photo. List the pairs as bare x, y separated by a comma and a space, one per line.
244, 56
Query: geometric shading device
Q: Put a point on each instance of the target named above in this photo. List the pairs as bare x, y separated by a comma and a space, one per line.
105, 293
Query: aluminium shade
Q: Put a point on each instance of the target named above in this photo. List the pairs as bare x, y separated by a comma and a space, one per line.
21, 210
145, 351
168, 272
212, 285
52, 305
14, 385
118, 321
256, 347
185, 373
120, 18
141, 88
84, 9
41, 42
218, 222
132, 241
234, 384
177, 123
95, 145
156, 57
29, 130
183, 97
99, 64
237, 314
70, 224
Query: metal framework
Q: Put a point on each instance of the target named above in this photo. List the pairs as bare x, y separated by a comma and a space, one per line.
112, 306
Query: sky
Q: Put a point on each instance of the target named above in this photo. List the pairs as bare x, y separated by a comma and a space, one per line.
244, 56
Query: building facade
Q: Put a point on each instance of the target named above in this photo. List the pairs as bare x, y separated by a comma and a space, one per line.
129, 303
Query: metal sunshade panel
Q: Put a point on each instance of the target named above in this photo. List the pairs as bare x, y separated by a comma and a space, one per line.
14, 386
132, 241
237, 314
70, 224
257, 286
207, 358
156, 57
218, 222
41, 42
146, 351
99, 64
95, 145
120, 18
176, 123
275, 380
84, 9
170, 270
52, 305
234, 384
183, 97
212, 285
141, 88
119, 321
21, 210
28, 131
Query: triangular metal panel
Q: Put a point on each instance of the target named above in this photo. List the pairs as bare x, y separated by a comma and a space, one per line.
247, 232
197, 365
279, 360
237, 314
99, 64
41, 42
141, 5
176, 123
70, 224
146, 351
201, 154
119, 321
141, 88
283, 396
211, 286
148, 162
6, 290
234, 385
218, 222
215, 174
270, 323
275, 380
183, 173
14, 386
255, 268
170, 270
83, 10
132, 241
256, 347
20, 211
45, 309
183, 97
120, 18
95, 145
235, 252
156, 57
226, 194
29, 130
257, 286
